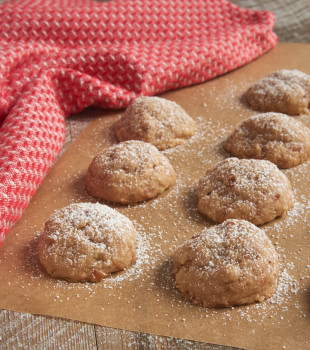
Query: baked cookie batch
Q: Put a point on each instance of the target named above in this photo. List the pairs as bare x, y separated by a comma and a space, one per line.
231, 263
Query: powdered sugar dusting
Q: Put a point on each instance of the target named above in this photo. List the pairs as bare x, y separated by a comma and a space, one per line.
130, 157
285, 91
277, 137
150, 248
161, 122
165, 222
88, 221
254, 190
235, 258
286, 285
36, 273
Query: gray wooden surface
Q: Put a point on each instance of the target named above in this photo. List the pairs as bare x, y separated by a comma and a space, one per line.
24, 331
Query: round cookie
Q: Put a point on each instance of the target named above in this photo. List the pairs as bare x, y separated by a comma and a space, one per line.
87, 242
233, 263
249, 189
129, 172
276, 137
156, 120
284, 91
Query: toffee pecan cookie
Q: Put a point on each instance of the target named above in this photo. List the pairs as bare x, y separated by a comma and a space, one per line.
156, 120
129, 172
276, 137
87, 242
249, 189
284, 91
233, 263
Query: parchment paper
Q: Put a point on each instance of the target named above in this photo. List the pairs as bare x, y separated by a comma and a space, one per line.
143, 298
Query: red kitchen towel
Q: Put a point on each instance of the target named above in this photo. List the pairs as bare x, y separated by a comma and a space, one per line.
58, 57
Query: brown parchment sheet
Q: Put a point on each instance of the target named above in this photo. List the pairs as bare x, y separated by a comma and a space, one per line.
143, 298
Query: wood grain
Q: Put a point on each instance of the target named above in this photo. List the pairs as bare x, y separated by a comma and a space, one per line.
35, 332
24, 331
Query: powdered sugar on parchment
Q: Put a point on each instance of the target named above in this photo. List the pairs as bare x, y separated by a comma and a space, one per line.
149, 252
158, 239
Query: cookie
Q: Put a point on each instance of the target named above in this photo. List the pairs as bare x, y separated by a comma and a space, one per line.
249, 189
156, 120
129, 172
233, 263
85, 242
284, 91
276, 137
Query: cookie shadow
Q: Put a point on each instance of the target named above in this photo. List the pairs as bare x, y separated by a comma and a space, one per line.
307, 299
108, 133
81, 195
164, 279
242, 99
190, 204
220, 151
79, 189
31, 265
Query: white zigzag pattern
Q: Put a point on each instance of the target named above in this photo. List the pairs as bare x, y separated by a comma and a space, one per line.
59, 56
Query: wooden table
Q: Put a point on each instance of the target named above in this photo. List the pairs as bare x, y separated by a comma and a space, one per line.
25, 331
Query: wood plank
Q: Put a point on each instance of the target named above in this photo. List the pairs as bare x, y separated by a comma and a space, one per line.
35, 332
117, 339
25, 331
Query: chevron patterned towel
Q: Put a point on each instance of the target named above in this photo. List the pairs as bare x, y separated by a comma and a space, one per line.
58, 57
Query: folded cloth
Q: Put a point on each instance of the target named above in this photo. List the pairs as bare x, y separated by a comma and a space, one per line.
58, 57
